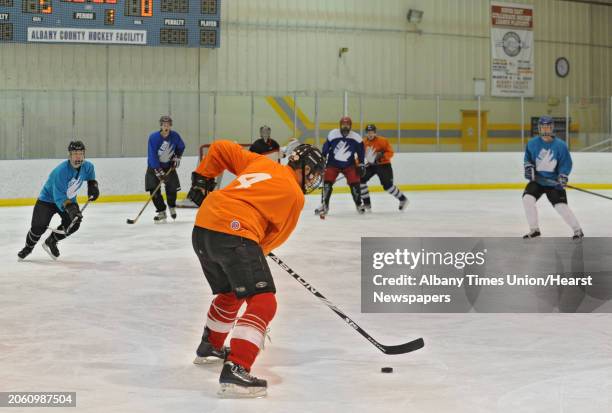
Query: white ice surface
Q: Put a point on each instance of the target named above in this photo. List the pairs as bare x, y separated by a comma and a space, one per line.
118, 317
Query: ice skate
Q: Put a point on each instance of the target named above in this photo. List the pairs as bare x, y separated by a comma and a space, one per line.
186, 203
237, 383
50, 246
206, 353
403, 203
173, 213
532, 234
322, 211
24, 253
160, 217
578, 235
319, 209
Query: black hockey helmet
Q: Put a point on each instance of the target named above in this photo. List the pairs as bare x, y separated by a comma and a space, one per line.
165, 118
370, 127
76, 146
307, 155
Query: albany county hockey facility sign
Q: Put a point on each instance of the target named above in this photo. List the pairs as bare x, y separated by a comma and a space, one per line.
78, 35
486, 275
512, 69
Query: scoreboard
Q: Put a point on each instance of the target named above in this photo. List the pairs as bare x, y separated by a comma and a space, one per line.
186, 23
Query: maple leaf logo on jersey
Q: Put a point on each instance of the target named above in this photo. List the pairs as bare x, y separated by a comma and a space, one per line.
370, 155
342, 152
73, 187
546, 162
165, 152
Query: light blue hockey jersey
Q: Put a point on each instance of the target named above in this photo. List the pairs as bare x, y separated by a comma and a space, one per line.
550, 159
64, 183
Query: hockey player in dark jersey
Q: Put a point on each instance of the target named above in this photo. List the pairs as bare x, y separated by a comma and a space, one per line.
265, 144
340, 148
547, 165
59, 196
166, 148
378, 154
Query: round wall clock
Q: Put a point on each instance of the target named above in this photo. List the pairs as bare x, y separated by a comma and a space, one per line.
562, 67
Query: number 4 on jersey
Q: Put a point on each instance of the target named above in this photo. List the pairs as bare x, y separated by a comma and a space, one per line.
247, 180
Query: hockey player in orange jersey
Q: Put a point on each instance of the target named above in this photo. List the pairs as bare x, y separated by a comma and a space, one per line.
235, 228
378, 154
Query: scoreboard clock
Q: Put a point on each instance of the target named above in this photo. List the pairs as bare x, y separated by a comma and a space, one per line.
186, 23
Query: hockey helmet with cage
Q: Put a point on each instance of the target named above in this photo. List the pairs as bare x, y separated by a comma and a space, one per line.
75, 146
306, 155
343, 129
346, 119
164, 119
546, 125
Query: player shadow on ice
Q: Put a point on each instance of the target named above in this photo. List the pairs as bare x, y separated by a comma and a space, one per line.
185, 221
183, 376
290, 357
67, 262
353, 216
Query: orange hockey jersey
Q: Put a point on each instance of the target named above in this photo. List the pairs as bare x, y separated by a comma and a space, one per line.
263, 203
375, 146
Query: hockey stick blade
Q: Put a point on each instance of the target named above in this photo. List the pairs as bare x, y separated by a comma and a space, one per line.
130, 221
398, 349
404, 348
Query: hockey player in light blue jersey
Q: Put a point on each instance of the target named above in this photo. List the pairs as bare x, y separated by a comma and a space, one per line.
59, 196
547, 166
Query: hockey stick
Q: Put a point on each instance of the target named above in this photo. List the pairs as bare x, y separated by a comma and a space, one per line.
399, 349
581, 190
133, 221
67, 231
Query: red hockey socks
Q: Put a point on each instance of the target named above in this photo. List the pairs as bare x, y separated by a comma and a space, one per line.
221, 316
250, 331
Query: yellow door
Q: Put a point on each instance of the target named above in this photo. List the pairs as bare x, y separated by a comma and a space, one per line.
469, 131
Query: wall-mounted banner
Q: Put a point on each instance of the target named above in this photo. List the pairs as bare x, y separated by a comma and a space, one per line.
512, 69
486, 275
76, 35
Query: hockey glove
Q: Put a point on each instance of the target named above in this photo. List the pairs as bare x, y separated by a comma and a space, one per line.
200, 187
176, 161
160, 174
562, 180
92, 190
529, 172
379, 156
73, 211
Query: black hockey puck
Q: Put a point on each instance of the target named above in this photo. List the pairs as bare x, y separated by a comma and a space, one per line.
386, 370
